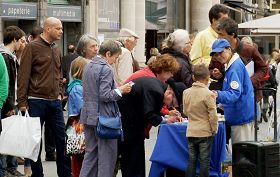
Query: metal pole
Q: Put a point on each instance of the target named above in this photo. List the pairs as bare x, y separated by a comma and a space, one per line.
275, 117
276, 41
274, 110
256, 118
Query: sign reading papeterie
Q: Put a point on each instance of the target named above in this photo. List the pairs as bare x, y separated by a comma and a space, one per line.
27, 11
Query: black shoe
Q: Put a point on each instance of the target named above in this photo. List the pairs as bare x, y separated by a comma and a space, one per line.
14, 173
265, 118
50, 157
7, 174
270, 111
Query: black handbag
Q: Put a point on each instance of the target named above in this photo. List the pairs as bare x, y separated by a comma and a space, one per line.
109, 127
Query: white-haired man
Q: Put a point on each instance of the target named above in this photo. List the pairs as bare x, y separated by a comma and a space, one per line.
126, 64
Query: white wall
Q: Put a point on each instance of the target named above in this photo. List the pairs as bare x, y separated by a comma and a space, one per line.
133, 18
199, 10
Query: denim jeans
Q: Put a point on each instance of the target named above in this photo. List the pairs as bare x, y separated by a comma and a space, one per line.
50, 111
199, 147
7, 161
49, 140
27, 162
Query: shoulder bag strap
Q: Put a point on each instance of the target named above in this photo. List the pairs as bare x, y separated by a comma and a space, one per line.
98, 98
98, 84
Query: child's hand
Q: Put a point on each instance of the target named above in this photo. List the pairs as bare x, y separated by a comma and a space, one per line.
214, 94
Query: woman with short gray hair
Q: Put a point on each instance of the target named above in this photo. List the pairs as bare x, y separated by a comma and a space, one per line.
176, 43
87, 46
100, 95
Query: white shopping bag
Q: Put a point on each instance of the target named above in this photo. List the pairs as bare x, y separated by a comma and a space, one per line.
21, 136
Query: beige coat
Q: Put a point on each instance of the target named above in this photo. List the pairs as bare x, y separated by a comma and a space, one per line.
123, 67
200, 108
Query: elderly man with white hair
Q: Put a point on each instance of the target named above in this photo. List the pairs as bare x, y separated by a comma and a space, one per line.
126, 64
176, 43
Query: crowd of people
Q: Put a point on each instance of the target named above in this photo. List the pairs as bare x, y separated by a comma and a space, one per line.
184, 80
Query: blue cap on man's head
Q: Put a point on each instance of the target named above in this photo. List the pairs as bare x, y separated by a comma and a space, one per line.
219, 45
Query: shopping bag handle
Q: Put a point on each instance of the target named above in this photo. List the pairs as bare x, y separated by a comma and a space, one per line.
25, 115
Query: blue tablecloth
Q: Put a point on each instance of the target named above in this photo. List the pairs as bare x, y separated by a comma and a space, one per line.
171, 150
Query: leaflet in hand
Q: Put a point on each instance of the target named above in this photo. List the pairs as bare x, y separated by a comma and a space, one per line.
250, 68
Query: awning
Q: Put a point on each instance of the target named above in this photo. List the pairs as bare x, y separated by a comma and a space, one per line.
266, 31
241, 5
268, 24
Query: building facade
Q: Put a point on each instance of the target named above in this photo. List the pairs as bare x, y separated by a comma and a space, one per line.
152, 20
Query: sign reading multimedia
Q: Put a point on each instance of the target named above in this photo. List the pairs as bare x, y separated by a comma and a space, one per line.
65, 13
20, 10
274, 5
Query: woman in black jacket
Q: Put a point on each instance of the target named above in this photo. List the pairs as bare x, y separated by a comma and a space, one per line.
176, 43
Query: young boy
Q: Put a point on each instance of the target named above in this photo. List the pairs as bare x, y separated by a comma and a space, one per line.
199, 105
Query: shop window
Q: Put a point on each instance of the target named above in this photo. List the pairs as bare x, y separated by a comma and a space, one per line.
13, 1
58, 1
165, 14
108, 19
109, 14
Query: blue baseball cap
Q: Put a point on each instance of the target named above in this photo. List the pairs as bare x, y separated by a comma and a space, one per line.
219, 45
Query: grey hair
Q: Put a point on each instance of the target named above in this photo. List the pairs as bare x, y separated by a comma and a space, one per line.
109, 46
83, 41
247, 39
178, 39
125, 38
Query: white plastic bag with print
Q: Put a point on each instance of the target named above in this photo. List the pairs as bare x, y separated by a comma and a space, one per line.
21, 136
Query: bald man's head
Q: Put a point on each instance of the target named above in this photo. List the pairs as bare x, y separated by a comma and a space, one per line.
52, 29
50, 21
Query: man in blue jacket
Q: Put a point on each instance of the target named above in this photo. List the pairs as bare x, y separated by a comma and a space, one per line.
237, 95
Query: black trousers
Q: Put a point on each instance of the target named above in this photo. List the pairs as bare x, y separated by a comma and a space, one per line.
49, 140
132, 158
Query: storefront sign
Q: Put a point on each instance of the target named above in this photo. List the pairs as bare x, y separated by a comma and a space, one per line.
19, 10
274, 5
66, 13
109, 14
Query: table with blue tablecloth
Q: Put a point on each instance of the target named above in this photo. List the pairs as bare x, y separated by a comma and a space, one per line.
171, 150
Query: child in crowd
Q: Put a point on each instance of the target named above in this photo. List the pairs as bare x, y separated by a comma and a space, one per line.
75, 103
199, 105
